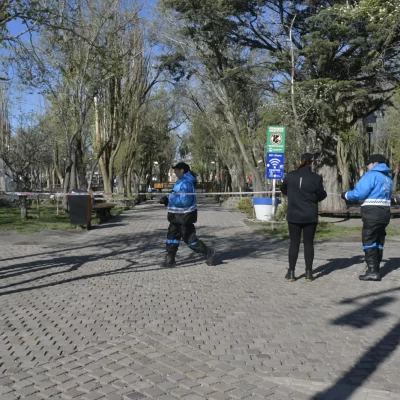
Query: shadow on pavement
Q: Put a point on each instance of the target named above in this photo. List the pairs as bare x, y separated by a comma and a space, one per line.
107, 225
344, 388
364, 296
366, 315
336, 264
370, 361
392, 265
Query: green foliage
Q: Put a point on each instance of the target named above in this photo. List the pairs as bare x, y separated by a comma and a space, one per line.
349, 137
246, 205
280, 214
174, 63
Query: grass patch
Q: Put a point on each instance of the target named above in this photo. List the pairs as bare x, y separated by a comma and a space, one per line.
325, 230
10, 219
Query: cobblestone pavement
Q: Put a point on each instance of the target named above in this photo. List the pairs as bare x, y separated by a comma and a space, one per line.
92, 316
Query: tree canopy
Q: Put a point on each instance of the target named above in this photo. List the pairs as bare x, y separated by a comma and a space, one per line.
123, 96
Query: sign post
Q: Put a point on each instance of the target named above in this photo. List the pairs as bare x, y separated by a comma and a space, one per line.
275, 157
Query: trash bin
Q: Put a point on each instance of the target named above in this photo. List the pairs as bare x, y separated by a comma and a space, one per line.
263, 208
80, 208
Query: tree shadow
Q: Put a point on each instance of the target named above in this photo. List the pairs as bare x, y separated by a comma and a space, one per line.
107, 225
365, 315
352, 300
391, 265
250, 245
370, 361
72, 262
49, 265
126, 269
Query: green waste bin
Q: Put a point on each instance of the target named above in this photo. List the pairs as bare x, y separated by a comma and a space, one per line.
80, 208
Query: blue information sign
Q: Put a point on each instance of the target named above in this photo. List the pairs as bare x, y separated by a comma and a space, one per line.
274, 162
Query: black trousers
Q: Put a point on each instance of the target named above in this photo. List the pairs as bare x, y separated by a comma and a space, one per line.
176, 232
373, 239
295, 231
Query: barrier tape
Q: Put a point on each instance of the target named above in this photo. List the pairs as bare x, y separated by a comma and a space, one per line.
31, 194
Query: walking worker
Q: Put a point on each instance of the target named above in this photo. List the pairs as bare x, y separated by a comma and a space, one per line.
182, 215
304, 189
375, 188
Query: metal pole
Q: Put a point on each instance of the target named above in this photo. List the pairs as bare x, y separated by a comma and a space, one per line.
369, 144
273, 204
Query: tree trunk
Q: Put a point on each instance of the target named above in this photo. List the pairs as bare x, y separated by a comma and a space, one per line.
222, 94
241, 176
129, 181
333, 202
343, 163
24, 207
80, 166
395, 176
59, 174
104, 174
73, 175
48, 178
66, 185
257, 180
135, 182
94, 166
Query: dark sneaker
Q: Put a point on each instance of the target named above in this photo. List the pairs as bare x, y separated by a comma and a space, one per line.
309, 276
290, 275
169, 261
210, 254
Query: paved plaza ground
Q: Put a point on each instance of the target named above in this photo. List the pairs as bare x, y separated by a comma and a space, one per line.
92, 316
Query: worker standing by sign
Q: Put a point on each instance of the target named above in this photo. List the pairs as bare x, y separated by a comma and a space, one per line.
375, 189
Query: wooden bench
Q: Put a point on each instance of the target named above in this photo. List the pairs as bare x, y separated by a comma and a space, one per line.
352, 212
103, 211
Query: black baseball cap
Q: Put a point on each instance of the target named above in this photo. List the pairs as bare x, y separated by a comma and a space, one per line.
376, 158
308, 157
181, 165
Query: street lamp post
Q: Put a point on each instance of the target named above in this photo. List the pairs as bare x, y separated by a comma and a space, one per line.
370, 130
369, 122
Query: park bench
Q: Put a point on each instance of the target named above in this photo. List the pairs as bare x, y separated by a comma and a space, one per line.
352, 212
103, 211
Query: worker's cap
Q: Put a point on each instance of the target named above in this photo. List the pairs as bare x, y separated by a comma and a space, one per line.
181, 165
376, 158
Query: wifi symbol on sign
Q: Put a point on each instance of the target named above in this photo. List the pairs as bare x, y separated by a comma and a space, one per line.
274, 162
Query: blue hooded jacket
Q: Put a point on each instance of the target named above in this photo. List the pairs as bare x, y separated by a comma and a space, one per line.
375, 187
179, 202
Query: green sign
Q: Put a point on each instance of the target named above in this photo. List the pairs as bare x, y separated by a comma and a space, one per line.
276, 136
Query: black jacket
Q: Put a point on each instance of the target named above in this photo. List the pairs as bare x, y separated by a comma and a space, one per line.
304, 190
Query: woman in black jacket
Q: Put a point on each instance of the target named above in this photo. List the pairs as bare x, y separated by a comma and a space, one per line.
304, 190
